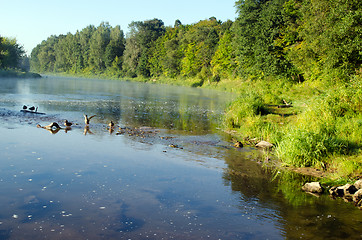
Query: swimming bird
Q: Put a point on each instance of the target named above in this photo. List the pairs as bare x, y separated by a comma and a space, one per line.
238, 144
87, 119
25, 107
50, 126
32, 108
67, 124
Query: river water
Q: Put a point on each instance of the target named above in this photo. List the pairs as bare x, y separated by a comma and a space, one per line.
168, 173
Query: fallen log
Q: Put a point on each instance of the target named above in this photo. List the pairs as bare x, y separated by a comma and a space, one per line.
285, 106
28, 111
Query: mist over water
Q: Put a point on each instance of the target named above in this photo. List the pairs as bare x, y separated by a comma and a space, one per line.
175, 177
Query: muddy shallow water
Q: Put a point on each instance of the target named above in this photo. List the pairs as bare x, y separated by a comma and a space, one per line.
180, 178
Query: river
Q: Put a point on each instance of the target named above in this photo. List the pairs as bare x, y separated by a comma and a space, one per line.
165, 172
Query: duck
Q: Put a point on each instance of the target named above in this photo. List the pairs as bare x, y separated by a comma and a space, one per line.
50, 126
25, 107
238, 144
32, 108
87, 119
67, 123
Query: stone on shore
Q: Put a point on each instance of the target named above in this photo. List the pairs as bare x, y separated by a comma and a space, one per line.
357, 196
349, 193
348, 190
358, 184
264, 145
345, 191
313, 187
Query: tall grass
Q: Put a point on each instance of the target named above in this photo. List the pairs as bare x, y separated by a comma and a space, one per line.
325, 128
247, 105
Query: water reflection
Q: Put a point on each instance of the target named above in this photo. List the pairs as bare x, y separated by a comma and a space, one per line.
127, 103
87, 130
145, 177
301, 215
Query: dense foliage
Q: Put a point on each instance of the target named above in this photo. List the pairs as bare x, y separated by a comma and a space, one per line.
12, 55
295, 39
90, 50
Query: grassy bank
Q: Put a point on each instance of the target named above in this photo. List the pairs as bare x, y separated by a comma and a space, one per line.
311, 124
321, 128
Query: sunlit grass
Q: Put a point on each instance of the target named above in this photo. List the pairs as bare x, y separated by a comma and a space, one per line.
323, 127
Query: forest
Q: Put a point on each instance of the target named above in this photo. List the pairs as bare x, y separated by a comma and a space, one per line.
301, 53
296, 39
12, 55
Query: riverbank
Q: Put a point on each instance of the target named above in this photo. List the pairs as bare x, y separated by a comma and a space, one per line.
315, 126
10, 73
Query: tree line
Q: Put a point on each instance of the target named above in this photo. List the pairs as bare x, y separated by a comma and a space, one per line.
12, 55
297, 39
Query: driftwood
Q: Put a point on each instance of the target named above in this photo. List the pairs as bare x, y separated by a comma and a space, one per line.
286, 104
28, 111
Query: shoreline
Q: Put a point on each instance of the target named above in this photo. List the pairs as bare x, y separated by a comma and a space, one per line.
271, 123
18, 74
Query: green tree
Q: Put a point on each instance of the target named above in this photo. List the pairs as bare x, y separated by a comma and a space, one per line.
116, 46
223, 62
329, 35
84, 38
166, 54
11, 53
43, 56
142, 37
97, 47
256, 29
199, 45
68, 54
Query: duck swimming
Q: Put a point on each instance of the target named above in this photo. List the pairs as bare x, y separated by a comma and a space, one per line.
25, 107
67, 124
50, 126
87, 119
32, 108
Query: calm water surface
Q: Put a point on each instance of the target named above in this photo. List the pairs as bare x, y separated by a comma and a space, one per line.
95, 184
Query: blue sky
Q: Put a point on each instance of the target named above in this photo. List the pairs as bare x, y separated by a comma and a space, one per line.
30, 22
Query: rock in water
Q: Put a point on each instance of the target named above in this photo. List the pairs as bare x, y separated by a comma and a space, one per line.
358, 184
357, 197
348, 189
345, 191
264, 144
313, 187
